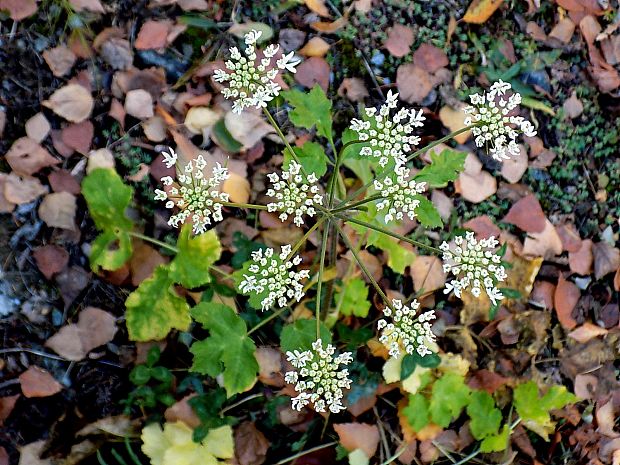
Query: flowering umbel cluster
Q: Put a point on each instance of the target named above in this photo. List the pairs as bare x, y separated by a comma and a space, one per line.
318, 378
388, 137
198, 198
405, 330
474, 263
399, 196
494, 125
295, 194
251, 81
273, 273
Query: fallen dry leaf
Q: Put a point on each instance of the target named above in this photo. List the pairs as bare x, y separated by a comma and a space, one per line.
481, 10
617, 281
563, 30
527, 215
139, 104
38, 127
71, 282
318, 6
566, 296
27, 157
580, 262
237, 187
6, 406
117, 111
430, 58
73, 102
330, 28
19, 9
572, 106
314, 70
606, 259
182, 411
587, 331
514, 168
200, 120
155, 129
22, 189
94, 328
58, 209
487, 380
475, 188
153, 35
544, 244
143, 261
543, 294
101, 158
585, 386
5, 205
269, 366
427, 274
353, 89
483, 226
413, 82
454, 120
60, 60
91, 5
358, 436
316, 47
79, 136
251, 445
399, 40
36, 382
247, 128
51, 259
571, 242
443, 204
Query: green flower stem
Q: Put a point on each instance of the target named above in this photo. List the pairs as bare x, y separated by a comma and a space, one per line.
281, 135
305, 237
152, 240
363, 267
410, 157
351, 206
336, 173
261, 323
388, 233
319, 285
244, 205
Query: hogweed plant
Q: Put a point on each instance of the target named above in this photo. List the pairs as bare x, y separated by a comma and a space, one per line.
311, 191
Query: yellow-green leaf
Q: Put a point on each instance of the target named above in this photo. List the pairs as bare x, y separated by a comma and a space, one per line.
190, 267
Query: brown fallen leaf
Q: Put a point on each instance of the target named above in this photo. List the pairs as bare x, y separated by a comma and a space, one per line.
487, 380
316, 47
139, 104
563, 30
251, 445
36, 382
27, 157
22, 189
101, 158
543, 294
454, 119
143, 262
514, 168
63, 181
430, 58
73, 102
91, 5
58, 209
71, 282
117, 111
353, 89
475, 188
566, 296
182, 411
270, 366
94, 328
19, 9
38, 127
585, 386
427, 274
153, 35
580, 262
358, 436
587, 331
155, 129
483, 226
606, 259
6, 407
527, 215
413, 82
60, 60
314, 70
51, 259
481, 10
617, 281
330, 28
79, 136
572, 106
399, 40
318, 6
443, 204
571, 242
544, 244
247, 128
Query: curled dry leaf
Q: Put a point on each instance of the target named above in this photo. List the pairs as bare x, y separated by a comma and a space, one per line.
38, 127
27, 157
527, 215
399, 40
330, 28
51, 259
94, 328
58, 209
60, 60
358, 436
36, 382
73, 102
566, 297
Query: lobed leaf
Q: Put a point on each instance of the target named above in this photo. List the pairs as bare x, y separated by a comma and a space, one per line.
485, 417
301, 334
354, 295
190, 267
445, 167
450, 394
311, 156
310, 109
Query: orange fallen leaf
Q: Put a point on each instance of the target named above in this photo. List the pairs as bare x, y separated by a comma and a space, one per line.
527, 215
330, 28
481, 10
358, 436
36, 382
316, 47
566, 296
454, 120
153, 35
318, 6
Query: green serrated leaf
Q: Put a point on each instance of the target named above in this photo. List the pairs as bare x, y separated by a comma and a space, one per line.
154, 308
355, 298
228, 349
190, 266
450, 395
417, 412
445, 167
301, 334
311, 156
485, 417
497, 442
107, 198
310, 109
399, 257
534, 409
426, 213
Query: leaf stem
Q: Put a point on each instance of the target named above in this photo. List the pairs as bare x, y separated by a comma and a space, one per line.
281, 135
319, 284
305, 237
152, 240
261, 323
244, 205
356, 204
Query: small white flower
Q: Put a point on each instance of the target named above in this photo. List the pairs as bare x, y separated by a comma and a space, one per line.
170, 159
405, 330
197, 198
399, 197
251, 82
388, 138
474, 264
295, 194
273, 273
494, 127
318, 378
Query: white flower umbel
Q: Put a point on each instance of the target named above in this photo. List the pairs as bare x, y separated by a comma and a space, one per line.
474, 264
318, 377
399, 196
494, 126
198, 198
273, 273
295, 194
251, 81
388, 137
405, 330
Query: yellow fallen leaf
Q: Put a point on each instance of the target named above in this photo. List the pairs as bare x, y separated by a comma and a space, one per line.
237, 187
316, 47
454, 120
329, 28
318, 6
481, 10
